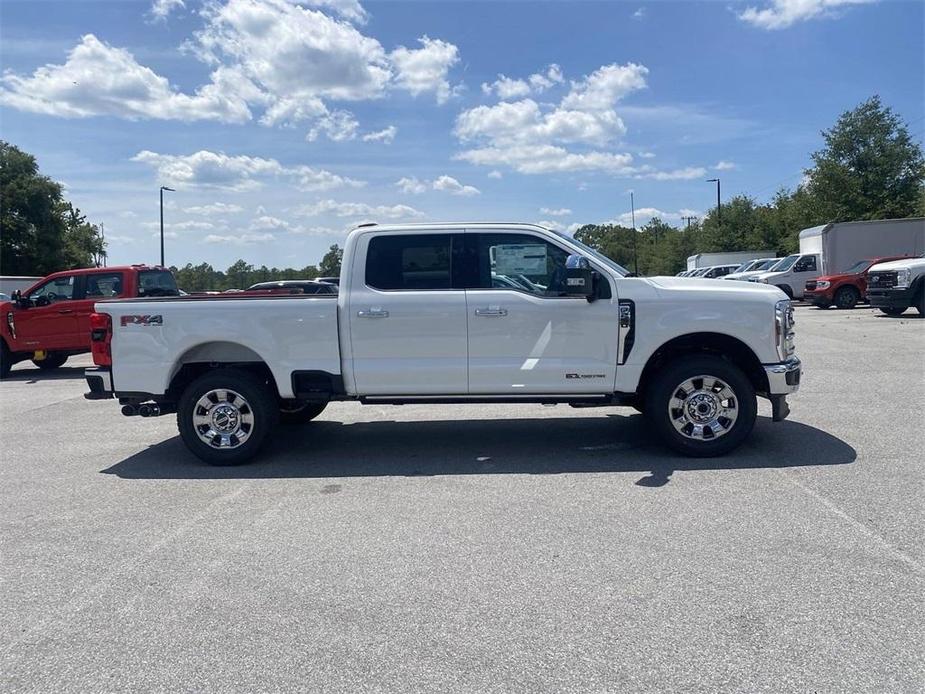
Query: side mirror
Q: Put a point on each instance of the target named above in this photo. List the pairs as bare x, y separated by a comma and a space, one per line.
17, 298
578, 274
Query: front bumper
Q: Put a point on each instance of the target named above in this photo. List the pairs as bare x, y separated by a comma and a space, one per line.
783, 379
818, 296
890, 298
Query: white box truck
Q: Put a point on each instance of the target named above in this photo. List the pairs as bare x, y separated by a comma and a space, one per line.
833, 248
725, 258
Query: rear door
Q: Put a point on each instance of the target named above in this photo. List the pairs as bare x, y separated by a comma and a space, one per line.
525, 336
407, 318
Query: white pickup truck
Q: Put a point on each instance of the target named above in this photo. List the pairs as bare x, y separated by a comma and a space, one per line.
454, 313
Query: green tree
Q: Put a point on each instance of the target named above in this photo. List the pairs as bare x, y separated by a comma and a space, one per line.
869, 168
330, 263
40, 232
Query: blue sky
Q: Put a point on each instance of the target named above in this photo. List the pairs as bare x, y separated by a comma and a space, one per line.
282, 124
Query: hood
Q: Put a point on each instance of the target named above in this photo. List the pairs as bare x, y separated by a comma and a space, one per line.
742, 275
897, 264
716, 287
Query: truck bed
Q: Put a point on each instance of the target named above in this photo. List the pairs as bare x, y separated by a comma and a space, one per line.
152, 338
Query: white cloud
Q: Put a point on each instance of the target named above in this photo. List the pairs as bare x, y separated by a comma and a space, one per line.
529, 137
411, 185
337, 125
98, 79
185, 225
640, 13
448, 184
219, 170
509, 88
647, 155
561, 212
269, 222
245, 239
425, 69
160, 9
282, 59
725, 166
550, 224
684, 174
128, 214
358, 209
780, 14
215, 208
646, 214
385, 136
495, 174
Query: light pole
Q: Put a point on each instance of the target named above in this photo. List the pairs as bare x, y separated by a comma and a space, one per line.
163, 188
719, 209
635, 252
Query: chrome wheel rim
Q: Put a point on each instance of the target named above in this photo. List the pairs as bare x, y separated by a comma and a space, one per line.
223, 419
703, 408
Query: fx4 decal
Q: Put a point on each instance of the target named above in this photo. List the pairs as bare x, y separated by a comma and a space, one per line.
141, 320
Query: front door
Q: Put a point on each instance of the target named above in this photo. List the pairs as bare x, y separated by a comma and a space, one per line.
50, 322
525, 336
805, 268
407, 321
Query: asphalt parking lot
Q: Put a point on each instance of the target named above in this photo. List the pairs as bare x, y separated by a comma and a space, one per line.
473, 548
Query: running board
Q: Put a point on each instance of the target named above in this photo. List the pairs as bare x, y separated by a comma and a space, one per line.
542, 399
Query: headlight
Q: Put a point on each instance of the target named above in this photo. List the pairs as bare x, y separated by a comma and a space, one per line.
763, 280
783, 328
822, 284
902, 278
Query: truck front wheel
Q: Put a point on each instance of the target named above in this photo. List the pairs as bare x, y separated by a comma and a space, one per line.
701, 406
294, 412
847, 297
892, 310
224, 416
6, 360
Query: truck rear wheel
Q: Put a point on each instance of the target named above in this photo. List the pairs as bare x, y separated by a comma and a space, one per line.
53, 360
224, 416
701, 406
293, 412
6, 360
847, 297
920, 302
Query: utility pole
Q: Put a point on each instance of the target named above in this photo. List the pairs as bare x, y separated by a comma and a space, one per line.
635, 251
719, 208
689, 220
163, 188
103, 239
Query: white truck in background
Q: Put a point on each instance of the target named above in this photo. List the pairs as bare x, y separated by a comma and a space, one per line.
833, 248
454, 313
699, 260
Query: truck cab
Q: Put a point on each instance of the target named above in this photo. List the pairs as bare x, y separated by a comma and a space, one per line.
791, 274
50, 321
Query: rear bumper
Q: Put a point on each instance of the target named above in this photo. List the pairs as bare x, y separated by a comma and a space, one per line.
99, 381
890, 298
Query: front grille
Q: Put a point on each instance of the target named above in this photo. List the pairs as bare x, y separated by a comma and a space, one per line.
811, 285
882, 280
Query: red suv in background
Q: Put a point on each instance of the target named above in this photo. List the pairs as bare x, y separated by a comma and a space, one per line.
845, 289
50, 321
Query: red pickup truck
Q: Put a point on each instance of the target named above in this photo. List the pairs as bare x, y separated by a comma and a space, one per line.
845, 289
50, 321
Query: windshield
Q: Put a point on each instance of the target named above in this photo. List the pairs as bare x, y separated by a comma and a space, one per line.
784, 264
859, 266
157, 283
622, 271
745, 266
767, 264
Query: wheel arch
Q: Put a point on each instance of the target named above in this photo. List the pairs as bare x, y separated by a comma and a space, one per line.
207, 356
717, 344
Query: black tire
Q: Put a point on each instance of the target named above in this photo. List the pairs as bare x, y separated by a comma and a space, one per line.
260, 404
6, 361
785, 288
669, 380
53, 360
920, 303
300, 413
847, 297
893, 310
821, 305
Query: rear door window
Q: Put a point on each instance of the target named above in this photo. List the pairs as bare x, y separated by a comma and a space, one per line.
157, 283
104, 285
410, 261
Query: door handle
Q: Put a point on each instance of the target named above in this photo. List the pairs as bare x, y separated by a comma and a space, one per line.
491, 311
65, 310
373, 313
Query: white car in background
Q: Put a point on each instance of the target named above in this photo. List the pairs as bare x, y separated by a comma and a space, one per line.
753, 269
